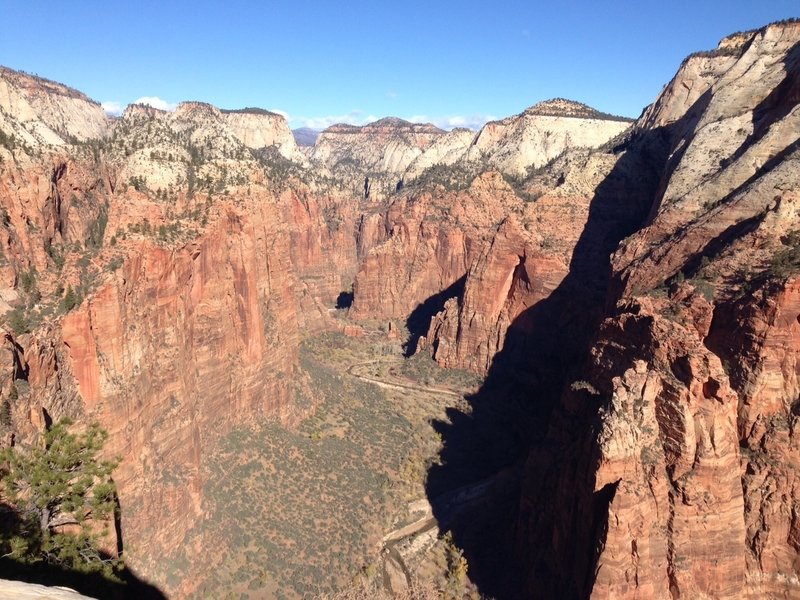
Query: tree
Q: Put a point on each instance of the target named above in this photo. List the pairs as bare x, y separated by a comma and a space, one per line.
70, 299
65, 498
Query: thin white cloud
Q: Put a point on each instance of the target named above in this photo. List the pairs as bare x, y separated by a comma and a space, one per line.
156, 102
282, 113
112, 107
391, 94
452, 121
354, 117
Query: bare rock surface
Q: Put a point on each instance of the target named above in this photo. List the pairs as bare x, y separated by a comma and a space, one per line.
685, 483
39, 111
542, 132
18, 590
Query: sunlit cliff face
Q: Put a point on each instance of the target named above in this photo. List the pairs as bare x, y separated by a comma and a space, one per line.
630, 289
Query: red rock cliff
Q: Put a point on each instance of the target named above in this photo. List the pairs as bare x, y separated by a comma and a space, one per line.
668, 469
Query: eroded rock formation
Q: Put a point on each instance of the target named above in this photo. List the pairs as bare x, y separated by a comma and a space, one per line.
160, 269
157, 278
684, 415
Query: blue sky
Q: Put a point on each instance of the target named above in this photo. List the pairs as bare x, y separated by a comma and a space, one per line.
452, 63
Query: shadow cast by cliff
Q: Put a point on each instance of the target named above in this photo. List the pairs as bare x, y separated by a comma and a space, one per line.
536, 529
420, 318
127, 585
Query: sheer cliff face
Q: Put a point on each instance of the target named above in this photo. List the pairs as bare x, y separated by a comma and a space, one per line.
541, 133
159, 270
385, 146
685, 413
160, 276
427, 241
177, 346
452, 225
259, 128
393, 150
370, 160
40, 111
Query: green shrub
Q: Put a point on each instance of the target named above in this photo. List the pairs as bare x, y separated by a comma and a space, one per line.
786, 261
18, 321
70, 300
27, 280
97, 229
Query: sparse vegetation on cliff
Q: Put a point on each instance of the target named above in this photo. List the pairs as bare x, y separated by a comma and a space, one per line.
786, 261
451, 177
7, 140
279, 169
562, 107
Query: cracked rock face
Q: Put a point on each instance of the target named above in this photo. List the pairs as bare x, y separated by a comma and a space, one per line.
39, 111
190, 272
392, 150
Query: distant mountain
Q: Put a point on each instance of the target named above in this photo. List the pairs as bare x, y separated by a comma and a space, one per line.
305, 136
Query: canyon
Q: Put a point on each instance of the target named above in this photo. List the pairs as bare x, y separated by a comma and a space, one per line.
627, 293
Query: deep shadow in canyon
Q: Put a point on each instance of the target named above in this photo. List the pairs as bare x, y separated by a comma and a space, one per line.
344, 300
537, 531
419, 320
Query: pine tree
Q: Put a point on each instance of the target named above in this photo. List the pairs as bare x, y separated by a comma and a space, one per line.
70, 299
65, 498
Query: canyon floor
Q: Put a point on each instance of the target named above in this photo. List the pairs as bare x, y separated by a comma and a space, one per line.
307, 510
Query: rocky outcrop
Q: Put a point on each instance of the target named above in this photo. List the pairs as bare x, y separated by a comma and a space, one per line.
385, 146
665, 462
258, 128
527, 260
446, 150
683, 418
542, 132
323, 251
152, 362
392, 150
423, 246
370, 161
18, 590
38, 111
160, 287
473, 327
758, 341
200, 146
510, 275
750, 178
